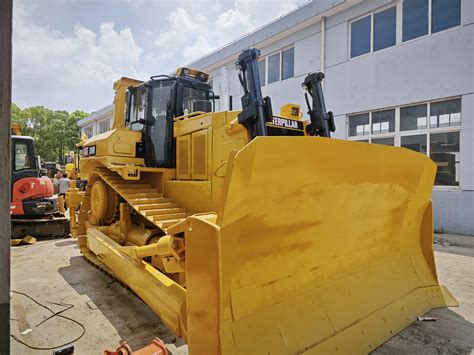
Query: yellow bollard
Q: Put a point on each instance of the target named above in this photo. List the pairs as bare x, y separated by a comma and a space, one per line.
61, 204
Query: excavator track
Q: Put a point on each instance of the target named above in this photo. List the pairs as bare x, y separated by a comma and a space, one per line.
147, 201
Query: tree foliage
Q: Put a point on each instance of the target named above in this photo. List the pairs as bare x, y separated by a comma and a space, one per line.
55, 132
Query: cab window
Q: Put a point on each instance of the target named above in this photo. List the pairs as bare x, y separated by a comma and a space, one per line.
161, 99
137, 109
191, 95
22, 156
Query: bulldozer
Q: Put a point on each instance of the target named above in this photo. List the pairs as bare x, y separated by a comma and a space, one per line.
249, 232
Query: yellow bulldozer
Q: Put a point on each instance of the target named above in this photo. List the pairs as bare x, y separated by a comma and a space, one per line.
254, 233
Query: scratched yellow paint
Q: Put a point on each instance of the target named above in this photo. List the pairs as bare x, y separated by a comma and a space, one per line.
320, 246
304, 245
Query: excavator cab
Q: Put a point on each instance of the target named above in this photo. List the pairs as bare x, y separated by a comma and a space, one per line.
153, 106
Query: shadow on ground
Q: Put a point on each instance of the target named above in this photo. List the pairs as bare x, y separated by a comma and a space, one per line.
450, 334
65, 243
133, 320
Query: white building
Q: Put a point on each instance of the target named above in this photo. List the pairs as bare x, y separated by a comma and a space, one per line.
397, 73
98, 122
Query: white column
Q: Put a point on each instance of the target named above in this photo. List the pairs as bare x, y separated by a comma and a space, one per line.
223, 89
323, 44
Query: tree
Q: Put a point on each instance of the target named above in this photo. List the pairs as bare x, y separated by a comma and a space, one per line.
55, 132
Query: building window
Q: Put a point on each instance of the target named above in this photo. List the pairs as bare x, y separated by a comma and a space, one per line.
384, 141
416, 143
276, 67
444, 150
383, 121
374, 32
104, 126
378, 30
438, 137
261, 71
360, 36
385, 25
413, 117
287, 63
445, 113
415, 19
444, 14
88, 131
359, 125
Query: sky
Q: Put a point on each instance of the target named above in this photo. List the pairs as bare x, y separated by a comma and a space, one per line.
68, 53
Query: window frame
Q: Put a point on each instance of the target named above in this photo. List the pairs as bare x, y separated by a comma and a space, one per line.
28, 154
268, 67
430, 20
281, 63
398, 133
105, 123
372, 15
398, 4
280, 52
412, 105
87, 129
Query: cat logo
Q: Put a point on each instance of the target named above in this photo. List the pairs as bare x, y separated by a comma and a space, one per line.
283, 122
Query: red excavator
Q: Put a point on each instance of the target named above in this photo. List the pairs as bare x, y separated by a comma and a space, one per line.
34, 206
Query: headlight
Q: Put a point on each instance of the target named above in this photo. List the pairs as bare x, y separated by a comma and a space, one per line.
92, 150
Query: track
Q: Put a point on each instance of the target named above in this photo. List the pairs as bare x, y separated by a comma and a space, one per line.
92, 259
147, 201
46, 227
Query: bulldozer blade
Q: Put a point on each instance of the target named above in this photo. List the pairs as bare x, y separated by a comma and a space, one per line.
320, 246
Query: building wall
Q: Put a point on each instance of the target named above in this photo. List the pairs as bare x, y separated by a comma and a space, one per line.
98, 126
98, 122
428, 68
432, 67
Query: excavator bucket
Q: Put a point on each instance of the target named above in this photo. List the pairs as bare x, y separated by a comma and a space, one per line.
320, 246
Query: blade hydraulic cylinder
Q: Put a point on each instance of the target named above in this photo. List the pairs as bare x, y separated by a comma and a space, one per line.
322, 122
256, 110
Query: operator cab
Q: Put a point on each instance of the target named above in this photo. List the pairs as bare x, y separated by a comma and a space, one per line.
23, 157
153, 106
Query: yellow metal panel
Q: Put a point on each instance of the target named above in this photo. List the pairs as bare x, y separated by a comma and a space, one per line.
195, 196
200, 154
192, 124
227, 136
120, 142
122, 148
183, 157
203, 282
120, 87
291, 111
162, 294
317, 258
